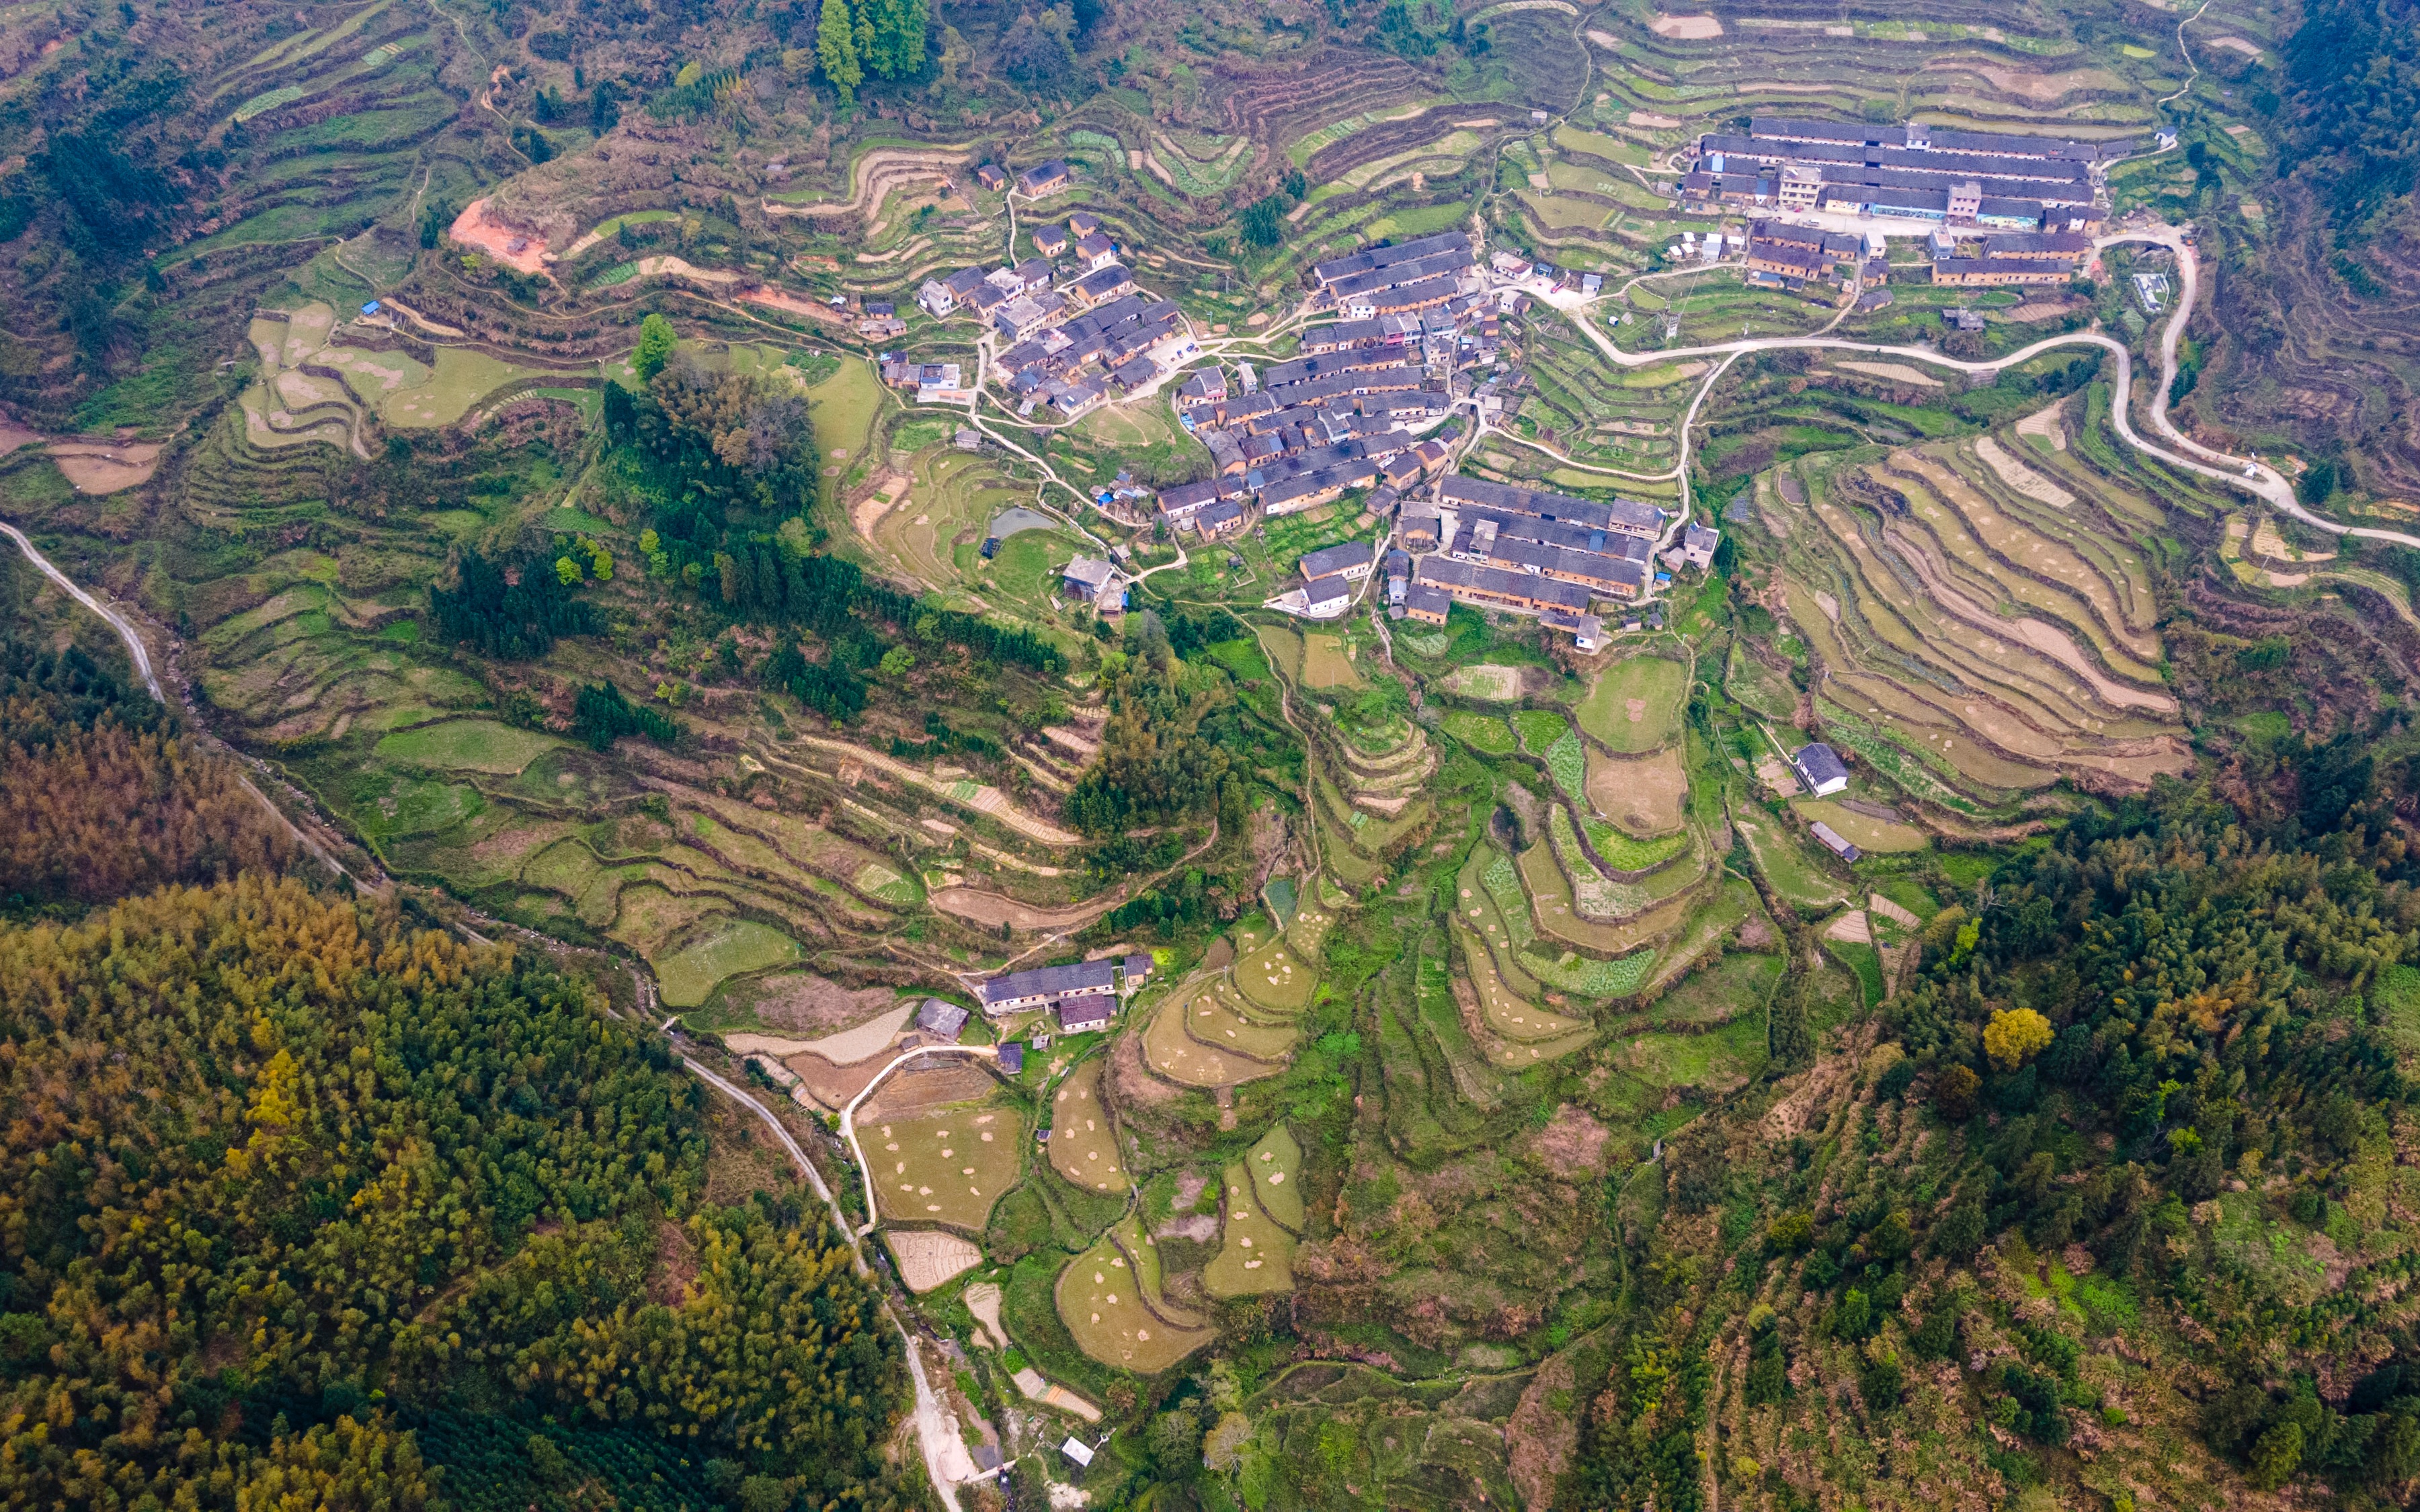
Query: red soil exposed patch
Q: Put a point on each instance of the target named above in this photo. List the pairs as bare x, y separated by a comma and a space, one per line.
474, 228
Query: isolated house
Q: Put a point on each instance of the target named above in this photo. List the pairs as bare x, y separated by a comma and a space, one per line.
1087, 578
1821, 768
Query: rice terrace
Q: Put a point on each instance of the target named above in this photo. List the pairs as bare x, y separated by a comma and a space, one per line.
1542, 754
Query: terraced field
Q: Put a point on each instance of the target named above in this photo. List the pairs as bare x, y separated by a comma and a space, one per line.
1983, 624
1083, 1136
1110, 1298
946, 1167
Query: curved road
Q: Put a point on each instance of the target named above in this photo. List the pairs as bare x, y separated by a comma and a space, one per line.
2257, 478
945, 1460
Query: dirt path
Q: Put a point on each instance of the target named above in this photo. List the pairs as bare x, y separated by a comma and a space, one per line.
985, 799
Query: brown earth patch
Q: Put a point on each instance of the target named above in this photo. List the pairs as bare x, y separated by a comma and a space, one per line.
676, 1265
105, 467
800, 1000
1130, 1082
924, 1083
829, 1084
474, 228
1539, 1440
992, 910
1573, 1143
1686, 28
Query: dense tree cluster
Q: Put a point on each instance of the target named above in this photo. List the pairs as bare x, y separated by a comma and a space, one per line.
600, 715
104, 812
274, 1165
715, 449
512, 611
1158, 765
2353, 70
98, 797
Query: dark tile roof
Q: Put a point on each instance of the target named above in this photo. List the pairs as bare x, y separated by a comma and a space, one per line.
1050, 981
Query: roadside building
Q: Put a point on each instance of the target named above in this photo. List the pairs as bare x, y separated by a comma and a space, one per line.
1044, 179
943, 1021
1698, 545
991, 178
1097, 252
1088, 578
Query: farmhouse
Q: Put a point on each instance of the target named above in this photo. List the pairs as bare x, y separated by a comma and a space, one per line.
1324, 598
1079, 1014
991, 178
1626, 515
1698, 545
1097, 252
1821, 768
1044, 179
1053, 241
1833, 838
1427, 603
1498, 589
1050, 985
2063, 248
1349, 560
1102, 284
1087, 578
943, 1021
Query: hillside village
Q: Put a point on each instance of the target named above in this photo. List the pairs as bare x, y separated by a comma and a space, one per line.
1398, 368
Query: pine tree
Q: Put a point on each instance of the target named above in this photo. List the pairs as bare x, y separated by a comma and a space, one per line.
836, 49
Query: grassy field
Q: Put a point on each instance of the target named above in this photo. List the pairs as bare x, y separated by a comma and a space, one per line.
1738, 983
1083, 1139
1256, 1256
1325, 664
1648, 796
468, 746
1793, 874
1540, 729
742, 944
1865, 832
843, 408
1480, 733
1502, 683
947, 1167
1634, 705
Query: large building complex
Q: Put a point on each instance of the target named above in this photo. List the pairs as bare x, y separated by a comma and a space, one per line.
1993, 180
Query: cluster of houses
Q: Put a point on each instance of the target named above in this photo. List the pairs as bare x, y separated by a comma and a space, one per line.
1310, 430
1502, 547
1074, 334
1083, 996
1911, 172
1781, 255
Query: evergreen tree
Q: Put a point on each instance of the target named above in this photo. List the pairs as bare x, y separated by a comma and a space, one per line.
836, 50
657, 340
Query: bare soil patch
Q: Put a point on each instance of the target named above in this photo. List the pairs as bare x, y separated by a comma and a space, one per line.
829, 1084
929, 1259
1896, 372
105, 467
817, 1005
992, 910
1653, 122
2045, 423
474, 228
1686, 28
926, 1082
